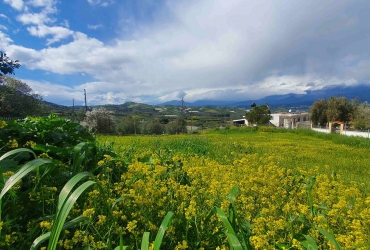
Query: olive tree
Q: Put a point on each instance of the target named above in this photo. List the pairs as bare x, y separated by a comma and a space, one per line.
259, 115
318, 112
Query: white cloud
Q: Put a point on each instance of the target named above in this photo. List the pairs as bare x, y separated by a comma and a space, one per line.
56, 32
233, 50
4, 16
65, 23
35, 18
16, 4
95, 27
4, 40
2, 27
100, 2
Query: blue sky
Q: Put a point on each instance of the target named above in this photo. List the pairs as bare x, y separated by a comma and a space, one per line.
152, 51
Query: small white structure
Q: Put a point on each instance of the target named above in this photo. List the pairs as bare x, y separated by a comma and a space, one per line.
241, 122
289, 120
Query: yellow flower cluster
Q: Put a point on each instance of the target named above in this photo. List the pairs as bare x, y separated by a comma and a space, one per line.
3, 124
13, 143
30, 144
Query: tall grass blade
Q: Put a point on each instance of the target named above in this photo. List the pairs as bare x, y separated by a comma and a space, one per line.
63, 213
120, 199
16, 151
145, 241
233, 193
23, 171
162, 229
225, 221
310, 244
234, 242
122, 248
69, 224
69, 186
330, 237
78, 158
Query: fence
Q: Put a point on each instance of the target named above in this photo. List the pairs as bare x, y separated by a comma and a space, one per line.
11, 118
346, 131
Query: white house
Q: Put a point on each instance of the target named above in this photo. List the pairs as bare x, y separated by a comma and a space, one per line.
287, 120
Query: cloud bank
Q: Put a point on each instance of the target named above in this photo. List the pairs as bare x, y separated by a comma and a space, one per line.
229, 50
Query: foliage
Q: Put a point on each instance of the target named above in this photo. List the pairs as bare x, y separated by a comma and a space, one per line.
361, 117
318, 112
7, 65
339, 109
129, 125
98, 121
176, 127
259, 115
278, 199
152, 127
52, 135
333, 109
17, 99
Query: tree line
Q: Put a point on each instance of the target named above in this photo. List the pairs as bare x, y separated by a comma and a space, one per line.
352, 112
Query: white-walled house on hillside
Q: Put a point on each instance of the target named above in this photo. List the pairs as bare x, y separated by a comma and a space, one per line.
287, 120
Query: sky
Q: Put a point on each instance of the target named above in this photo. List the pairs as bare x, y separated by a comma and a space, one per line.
153, 51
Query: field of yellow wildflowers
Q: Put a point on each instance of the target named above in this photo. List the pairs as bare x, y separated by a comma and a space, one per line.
229, 189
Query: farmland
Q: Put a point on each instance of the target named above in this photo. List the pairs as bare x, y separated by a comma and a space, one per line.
240, 188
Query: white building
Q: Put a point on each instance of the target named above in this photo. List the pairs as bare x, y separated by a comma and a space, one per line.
287, 120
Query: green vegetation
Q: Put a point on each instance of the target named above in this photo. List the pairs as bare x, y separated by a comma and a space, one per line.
341, 109
80, 193
259, 115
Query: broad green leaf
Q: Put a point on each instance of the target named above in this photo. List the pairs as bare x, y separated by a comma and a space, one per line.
78, 157
17, 151
69, 186
122, 248
63, 213
23, 171
145, 241
330, 237
225, 220
234, 242
162, 229
311, 244
233, 193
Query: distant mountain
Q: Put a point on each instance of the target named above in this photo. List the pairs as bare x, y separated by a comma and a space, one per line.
361, 91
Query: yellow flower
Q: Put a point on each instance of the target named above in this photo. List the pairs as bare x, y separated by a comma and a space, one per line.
102, 219
131, 226
3, 124
89, 212
30, 144
13, 143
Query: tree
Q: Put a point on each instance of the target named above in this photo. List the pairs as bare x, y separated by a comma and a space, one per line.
318, 112
18, 99
361, 117
259, 114
340, 109
153, 127
176, 127
7, 65
98, 121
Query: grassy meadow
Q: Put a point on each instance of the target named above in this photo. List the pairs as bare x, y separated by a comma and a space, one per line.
235, 188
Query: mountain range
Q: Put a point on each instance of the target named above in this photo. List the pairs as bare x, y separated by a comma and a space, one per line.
360, 91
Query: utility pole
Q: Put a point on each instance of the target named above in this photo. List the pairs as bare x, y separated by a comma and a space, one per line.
85, 100
73, 106
182, 111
